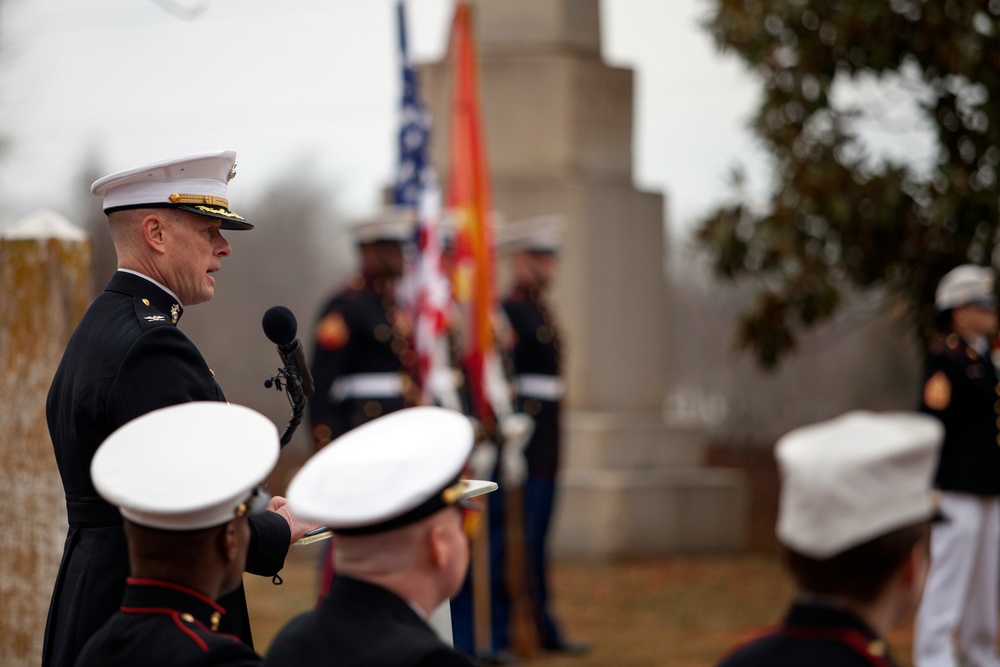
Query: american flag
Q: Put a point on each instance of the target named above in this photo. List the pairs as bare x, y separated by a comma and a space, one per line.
414, 172
426, 288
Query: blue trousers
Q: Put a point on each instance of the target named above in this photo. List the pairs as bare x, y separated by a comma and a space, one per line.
539, 500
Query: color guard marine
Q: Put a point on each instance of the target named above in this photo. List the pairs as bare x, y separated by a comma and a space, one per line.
534, 359
361, 347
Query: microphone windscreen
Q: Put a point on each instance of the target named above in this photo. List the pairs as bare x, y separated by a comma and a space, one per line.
279, 325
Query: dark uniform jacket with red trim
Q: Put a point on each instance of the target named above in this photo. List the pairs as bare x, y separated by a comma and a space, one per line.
126, 358
359, 333
161, 624
361, 625
536, 353
960, 388
814, 635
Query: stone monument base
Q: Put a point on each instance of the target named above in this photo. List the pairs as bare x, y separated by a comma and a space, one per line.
631, 487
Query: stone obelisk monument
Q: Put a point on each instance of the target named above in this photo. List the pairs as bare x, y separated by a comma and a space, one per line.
558, 124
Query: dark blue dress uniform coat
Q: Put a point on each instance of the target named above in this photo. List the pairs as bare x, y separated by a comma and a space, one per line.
361, 625
162, 624
817, 636
126, 358
536, 357
358, 333
960, 389
536, 352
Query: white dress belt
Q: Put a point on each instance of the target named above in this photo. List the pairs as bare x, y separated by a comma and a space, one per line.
367, 385
545, 387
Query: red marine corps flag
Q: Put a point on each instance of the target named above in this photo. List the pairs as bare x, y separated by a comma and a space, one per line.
470, 196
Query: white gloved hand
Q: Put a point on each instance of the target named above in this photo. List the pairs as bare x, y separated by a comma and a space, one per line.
483, 460
513, 468
516, 430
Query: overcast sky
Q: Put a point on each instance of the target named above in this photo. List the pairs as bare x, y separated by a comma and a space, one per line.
287, 81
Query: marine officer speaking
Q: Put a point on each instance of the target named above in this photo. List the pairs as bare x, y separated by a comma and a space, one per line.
126, 358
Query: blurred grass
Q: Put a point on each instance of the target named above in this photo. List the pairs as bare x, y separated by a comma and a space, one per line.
682, 612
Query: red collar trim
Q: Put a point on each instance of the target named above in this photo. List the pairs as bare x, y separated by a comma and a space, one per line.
133, 581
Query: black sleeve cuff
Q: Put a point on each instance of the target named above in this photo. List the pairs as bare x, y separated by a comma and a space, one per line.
270, 537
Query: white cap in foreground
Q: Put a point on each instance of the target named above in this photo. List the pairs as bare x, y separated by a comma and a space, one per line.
854, 478
388, 473
187, 467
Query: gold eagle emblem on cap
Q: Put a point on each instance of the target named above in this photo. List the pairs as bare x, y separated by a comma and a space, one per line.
937, 391
232, 173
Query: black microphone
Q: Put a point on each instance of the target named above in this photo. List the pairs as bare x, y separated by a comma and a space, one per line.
280, 327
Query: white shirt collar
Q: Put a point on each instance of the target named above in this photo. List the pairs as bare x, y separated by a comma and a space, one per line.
420, 611
155, 282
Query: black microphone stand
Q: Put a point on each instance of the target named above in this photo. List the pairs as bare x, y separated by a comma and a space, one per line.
289, 379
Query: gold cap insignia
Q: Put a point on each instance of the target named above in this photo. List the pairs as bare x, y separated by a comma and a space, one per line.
232, 173
453, 493
210, 200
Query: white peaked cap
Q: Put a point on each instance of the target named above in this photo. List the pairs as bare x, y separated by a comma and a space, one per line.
854, 478
393, 223
197, 183
389, 472
542, 233
966, 284
186, 467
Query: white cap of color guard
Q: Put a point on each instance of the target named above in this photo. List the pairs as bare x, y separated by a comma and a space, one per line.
541, 233
393, 224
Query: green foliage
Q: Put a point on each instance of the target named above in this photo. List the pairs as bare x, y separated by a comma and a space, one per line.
836, 219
